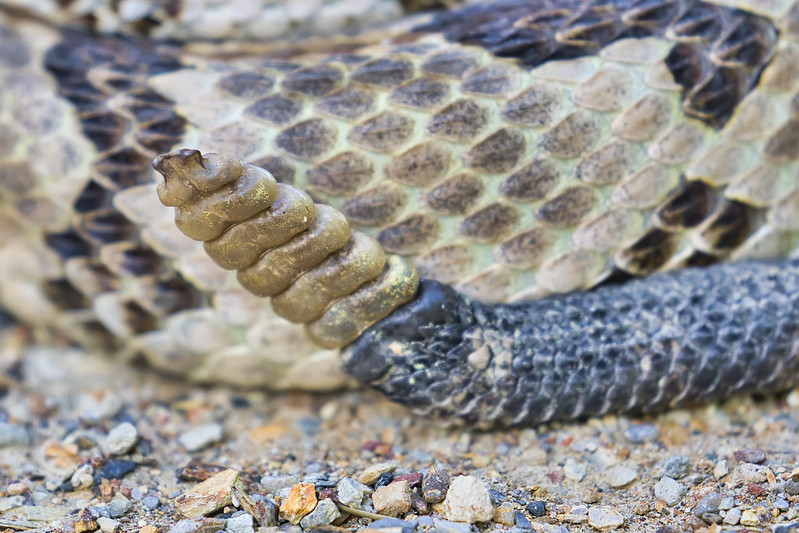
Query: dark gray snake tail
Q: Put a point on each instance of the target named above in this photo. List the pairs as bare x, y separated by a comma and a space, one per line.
673, 339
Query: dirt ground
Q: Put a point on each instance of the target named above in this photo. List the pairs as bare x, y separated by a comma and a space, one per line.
733, 466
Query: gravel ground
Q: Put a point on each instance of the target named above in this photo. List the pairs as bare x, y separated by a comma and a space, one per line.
89, 445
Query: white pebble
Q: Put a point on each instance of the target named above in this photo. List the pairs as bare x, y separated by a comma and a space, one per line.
749, 518
620, 476
83, 477
733, 517
604, 518
351, 492
199, 437
468, 501
241, 523
670, 491
122, 438
721, 469
108, 525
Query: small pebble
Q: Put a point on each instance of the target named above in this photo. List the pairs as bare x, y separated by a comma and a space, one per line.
107, 525
497, 497
83, 477
209, 496
521, 520
721, 469
435, 485
468, 501
670, 491
751, 473
404, 526
504, 514
240, 523
13, 435
791, 487
115, 469
709, 504
604, 458
194, 525
14, 489
708, 508
11, 502
384, 479
733, 517
750, 455
537, 509
641, 433
85, 523
393, 499
749, 518
371, 474
781, 503
98, 405
274, 484
200, 436
300, 501
447, 526
418, 504
267, 510
573, 518
325, 512
118, 507
574, 470
604, 518
122, 438
727, 503
150, 502
675, 467
414, 479
351, 493
620, 476
314, 467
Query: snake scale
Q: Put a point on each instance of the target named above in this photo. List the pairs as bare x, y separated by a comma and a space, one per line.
456, 203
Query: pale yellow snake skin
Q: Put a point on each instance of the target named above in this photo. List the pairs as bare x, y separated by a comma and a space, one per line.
507, 181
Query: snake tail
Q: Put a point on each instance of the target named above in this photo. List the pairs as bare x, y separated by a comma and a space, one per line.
304, 255
675, 338
678, 337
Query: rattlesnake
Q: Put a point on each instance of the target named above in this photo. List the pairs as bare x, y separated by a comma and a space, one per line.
500, 152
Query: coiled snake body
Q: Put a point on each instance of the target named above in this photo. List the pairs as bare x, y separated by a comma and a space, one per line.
444, 179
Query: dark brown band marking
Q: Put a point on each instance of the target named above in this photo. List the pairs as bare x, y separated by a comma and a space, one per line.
717, 57
118, 66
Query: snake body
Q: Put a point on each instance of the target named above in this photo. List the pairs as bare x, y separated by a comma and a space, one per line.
501, 152
674, 339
